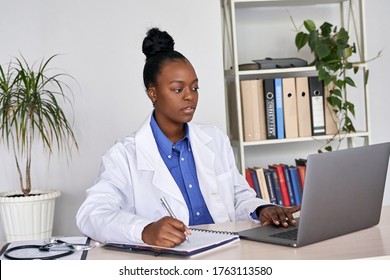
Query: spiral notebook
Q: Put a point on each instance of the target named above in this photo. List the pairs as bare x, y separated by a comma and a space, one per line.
200, 240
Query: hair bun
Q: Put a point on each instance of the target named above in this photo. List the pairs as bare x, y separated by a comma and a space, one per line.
157, 41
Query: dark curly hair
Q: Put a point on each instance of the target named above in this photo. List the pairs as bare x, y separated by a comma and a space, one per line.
158, 47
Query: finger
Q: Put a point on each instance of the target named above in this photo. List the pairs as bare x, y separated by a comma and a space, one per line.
179, 229
282, 216
290, 217
269, 215
295, 208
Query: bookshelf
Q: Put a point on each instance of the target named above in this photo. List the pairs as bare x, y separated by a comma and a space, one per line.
247, 24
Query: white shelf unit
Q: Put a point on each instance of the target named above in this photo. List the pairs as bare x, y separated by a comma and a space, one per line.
349, 10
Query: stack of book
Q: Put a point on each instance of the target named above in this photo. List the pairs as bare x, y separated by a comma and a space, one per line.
286, 108
280, 184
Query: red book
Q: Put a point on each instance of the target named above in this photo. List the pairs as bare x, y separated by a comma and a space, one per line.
248, 177
283, 186
302, 173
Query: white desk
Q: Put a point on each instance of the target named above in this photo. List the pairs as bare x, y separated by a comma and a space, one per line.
369, 243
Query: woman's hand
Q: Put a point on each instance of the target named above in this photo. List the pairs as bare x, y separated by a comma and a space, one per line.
278, 215
166, 232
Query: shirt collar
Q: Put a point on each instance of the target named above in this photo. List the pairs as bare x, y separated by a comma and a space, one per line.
165, 145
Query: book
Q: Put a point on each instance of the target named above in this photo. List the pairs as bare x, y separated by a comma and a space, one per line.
282, 184
250, 94
281, 196
290, 108
256, 183
249, 178
248, 66
272, 63
262, 183
289, 185
269, 104
279, 111
270, 185
301, 165
200, 240
303, 106
316, 88
296, 184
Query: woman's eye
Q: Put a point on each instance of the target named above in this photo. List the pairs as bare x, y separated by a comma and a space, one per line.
178, 90
195, 89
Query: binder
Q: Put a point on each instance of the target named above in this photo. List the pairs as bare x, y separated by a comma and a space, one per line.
269, 104
316, 88
331, 119
253, 110
279, 112
303, 106
290, 108
232, 109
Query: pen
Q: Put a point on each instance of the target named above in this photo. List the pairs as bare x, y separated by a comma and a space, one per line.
169, 210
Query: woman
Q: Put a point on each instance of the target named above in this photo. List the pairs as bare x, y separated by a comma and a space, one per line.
189, 165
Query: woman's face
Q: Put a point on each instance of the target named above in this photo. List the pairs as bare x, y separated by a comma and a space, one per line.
175, 95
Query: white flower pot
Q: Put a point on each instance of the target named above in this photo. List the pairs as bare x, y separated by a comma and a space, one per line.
30, 217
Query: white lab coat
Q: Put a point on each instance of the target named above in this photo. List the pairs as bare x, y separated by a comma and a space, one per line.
133, 178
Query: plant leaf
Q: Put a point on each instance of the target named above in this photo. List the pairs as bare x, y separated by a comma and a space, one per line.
349, 81
301, 40
310, 25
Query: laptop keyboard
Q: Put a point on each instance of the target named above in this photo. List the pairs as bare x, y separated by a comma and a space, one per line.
290, 234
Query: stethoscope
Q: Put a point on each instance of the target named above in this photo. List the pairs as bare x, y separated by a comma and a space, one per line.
45, 251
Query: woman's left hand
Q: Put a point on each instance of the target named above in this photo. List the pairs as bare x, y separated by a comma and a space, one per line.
278, 215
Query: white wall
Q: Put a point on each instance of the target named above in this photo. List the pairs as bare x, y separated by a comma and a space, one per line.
100, 43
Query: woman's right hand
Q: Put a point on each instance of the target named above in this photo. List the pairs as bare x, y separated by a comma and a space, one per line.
166, 232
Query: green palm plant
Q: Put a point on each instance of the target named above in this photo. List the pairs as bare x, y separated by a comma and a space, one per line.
30, 109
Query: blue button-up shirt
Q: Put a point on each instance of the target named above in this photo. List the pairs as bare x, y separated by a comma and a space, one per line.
179, 160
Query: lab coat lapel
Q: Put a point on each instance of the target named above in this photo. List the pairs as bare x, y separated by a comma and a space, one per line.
148, 158
205, 161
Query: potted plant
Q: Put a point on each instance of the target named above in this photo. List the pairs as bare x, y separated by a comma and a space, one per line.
332, 51
31, 111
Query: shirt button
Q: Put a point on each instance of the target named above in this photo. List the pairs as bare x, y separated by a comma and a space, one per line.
169, 156
197, 213
182, 159
190, 186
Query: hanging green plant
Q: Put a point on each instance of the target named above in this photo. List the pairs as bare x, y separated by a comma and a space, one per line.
332, 51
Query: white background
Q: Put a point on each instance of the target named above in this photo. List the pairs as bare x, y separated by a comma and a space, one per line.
100, 46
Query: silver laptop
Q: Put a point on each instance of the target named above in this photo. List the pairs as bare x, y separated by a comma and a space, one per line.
343, 193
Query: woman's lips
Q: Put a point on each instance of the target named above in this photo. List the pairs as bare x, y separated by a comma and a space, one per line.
189, 110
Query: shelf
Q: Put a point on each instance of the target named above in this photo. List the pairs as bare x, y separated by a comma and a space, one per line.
272, 73
300, 139
337, 10
276, 3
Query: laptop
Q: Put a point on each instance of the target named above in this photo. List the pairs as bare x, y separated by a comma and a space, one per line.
343, 193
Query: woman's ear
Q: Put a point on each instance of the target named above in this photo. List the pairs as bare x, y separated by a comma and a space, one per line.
152, 94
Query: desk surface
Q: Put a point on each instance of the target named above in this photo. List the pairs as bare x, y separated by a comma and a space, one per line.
367, 243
